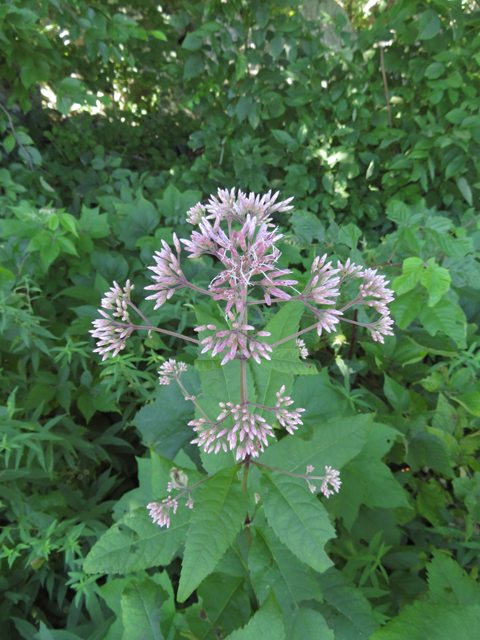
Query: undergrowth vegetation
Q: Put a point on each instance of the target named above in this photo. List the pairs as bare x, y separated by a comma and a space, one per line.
115, 120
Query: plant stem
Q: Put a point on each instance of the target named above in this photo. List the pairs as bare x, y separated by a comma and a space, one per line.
294, 335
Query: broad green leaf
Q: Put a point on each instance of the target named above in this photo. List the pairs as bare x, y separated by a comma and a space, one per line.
346, 610
268, 380
334, 443
194, 66
9, 143
163, 424
266, 624
307, 624
94, 223
436, 280
297, 517
405, 308
218, 514
412, 270
468, 490
350, 234
425, 621
288, 361
465, 190
274, 567
427, 449
471, 402
159, 35
396, 395
448, 582
448, 317
367, 480
141, 604
135, 543
428, 25
226, 604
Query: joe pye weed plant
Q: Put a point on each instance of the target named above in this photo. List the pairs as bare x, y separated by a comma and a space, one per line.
259, 496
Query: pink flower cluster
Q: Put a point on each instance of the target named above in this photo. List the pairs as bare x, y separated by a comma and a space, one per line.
112, 335
235, 341
248, 430
168, 275
332, 478
288, 419
171, 370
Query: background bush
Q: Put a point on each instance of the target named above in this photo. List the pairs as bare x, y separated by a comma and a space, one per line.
115, 118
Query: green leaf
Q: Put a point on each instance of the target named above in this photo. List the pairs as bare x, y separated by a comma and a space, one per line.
267, 623
225, 602
448, 582
347, 610
471, 402
349, 234
297, 517
307, 624
273, 567
436, 280
9, 143
192, 42
428, 25
141, 604
468, 490
465, 190
288, 361
318, 397
283, 137
448, 317
243, 107
412, 270
397, 395
367, 480
194, 66
94, 223
405, 308
163, 424
159, 35
334, 443
276, 46
425, 621
135, 543
218, 515
425, 449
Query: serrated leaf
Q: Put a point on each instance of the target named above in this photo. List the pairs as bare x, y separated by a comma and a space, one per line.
448, 582
218, 515
412, 270
448, 317
346, 609
297, 517
135, 543
471, 402
367, 480
405, 308
396, 395
267, 623
307, 624
334, 443
141, 612
226, 604
273, 566
436, 280
425, 621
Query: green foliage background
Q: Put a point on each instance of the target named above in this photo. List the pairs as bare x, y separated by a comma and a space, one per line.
154, 109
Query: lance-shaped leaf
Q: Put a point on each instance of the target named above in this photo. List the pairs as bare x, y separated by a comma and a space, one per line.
141, 612
334, 443
273, 566
135, 543
217, 517
425, 621
345, 608
297, 517
267, 623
